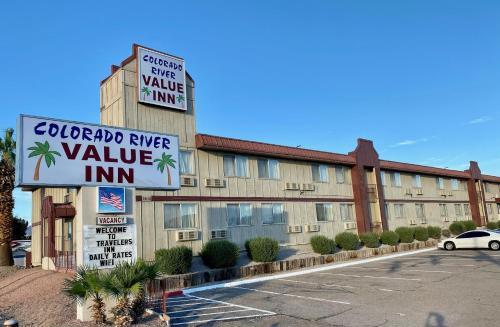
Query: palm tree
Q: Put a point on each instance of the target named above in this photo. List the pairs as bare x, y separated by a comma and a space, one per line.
165, 162
7, 170
124, 283
148, 272
89, 283
145, 91
43, 151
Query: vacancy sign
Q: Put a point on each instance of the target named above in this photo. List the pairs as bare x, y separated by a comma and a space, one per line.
54, 152
106, 246
161, 79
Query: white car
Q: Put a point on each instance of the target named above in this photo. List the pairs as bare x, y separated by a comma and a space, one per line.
474, 239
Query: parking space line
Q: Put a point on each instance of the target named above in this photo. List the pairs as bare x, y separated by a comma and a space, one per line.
199, 309
292, 295
375, 277
218, 319
434, 264
187, 304
329, 285
404, 270
236, 305
209, 314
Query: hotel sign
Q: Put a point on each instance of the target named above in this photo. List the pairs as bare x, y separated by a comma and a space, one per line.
106, 246
111, 220
161, 79
54, 152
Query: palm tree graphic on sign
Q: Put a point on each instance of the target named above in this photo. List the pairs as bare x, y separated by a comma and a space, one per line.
165, 162
145, 91
43, 151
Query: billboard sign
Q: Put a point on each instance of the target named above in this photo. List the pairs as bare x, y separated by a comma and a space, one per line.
161, 79
106, 246
53, 152
110, 199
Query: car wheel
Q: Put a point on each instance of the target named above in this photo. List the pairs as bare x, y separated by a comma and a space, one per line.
449, 246
495, 246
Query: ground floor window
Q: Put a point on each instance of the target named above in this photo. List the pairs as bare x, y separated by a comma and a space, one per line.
272, 213
346, 212
458, 210
324, 212
466, 209
419, 210
399, 210
180, 216
239, 214
443, 210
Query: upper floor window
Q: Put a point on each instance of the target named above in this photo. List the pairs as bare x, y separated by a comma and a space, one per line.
486, 187
239, 214
346, 212
320, 173
272, 213
443, 209
340, 174
399, 209
235, 166
417, 181
455, 184
382, 177
324, 212
419, 210
395, 179
440, 183
268, 168
458, 210
180, 215
186, 165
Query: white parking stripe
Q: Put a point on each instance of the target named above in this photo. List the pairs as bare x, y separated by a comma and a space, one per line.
236, 305
328, 285
291, 295
375, 277
199, 309
188, 304
403, 270
218, 319
209, 314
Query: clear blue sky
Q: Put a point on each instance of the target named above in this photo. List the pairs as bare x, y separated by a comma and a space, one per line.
419, 78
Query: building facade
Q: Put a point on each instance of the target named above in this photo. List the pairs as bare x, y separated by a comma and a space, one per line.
236, 189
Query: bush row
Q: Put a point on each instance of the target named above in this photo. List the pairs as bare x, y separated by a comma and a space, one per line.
458, 227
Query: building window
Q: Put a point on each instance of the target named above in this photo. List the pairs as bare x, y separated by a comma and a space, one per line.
443, 210
399, 210
272, 213
320, 173
386, 208
268, 168
419, 210
396, 179
340, 174
324, 212
455, 185
382, 177
346, 212
490, 209
417, 181
180, 215
239, 214
458, 210
235, 166
186, 162
498, 208
466, 209
486, 187
440, 183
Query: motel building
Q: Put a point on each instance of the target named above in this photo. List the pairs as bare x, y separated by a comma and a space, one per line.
168, 185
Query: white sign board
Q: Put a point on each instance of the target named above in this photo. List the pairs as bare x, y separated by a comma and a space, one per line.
111, 220
54, 152
106, 246
161, 79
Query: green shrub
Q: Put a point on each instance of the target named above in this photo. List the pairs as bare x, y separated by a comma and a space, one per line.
263, 249
370, 240
389, 237
406, 234
322, 244
457, 227
347, 241
421, 234
247, 248
446, 232
434, 232
176, 260
219, 254
492, 225
469, 225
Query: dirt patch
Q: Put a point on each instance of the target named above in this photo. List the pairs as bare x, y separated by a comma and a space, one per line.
6, 271
34, 297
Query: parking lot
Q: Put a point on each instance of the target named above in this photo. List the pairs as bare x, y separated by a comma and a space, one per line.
431, 289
